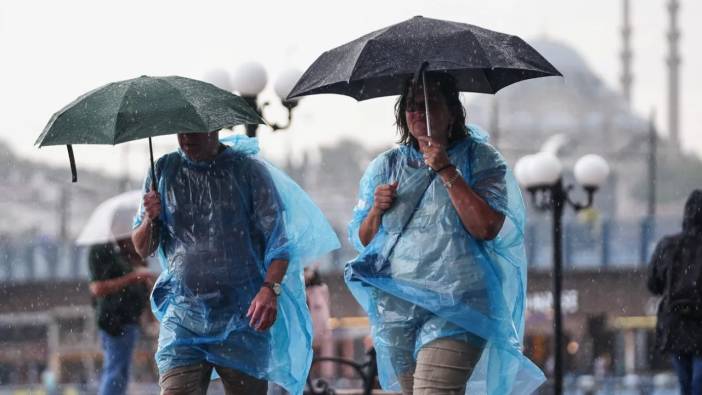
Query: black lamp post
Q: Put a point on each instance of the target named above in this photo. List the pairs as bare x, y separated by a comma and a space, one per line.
541, 175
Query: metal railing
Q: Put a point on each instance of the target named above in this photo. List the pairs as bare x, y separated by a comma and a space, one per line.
367, 371
608, 243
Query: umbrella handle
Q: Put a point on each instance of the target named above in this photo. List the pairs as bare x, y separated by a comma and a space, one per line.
153, 169
72, 161
426, 101
421, 70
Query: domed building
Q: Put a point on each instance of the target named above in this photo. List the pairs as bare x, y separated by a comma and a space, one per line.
580, 114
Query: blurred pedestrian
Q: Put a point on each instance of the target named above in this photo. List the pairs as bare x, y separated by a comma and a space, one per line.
119, 284
675, 272
318, 302
231, 296
601, 366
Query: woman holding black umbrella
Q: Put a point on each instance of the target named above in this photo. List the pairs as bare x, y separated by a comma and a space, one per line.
439, 224
438, 228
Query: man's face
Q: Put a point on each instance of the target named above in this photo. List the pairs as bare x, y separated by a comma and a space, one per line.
199, 146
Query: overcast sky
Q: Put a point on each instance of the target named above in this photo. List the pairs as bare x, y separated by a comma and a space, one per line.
53, 51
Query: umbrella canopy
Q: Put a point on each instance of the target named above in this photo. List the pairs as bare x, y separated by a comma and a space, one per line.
142, 108
111, 220
379, 64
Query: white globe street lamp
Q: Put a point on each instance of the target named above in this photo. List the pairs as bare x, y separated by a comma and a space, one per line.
591, 171
541, 175
250, 79
521, 171
285, 83
544, 169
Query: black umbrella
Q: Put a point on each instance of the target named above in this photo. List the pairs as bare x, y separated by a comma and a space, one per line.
142, 108
379, 63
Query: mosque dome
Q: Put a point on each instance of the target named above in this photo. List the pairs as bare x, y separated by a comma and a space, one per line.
580, 105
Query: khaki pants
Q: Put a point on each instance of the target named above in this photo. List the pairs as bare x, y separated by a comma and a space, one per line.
443, 367
194, 380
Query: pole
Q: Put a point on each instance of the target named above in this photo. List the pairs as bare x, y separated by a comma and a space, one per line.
649, 224
652, 159
558, 200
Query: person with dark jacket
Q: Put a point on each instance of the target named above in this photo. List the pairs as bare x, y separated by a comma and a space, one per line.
676, 273
119, 285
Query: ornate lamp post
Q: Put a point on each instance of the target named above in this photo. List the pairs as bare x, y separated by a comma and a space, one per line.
250, 79
541, 175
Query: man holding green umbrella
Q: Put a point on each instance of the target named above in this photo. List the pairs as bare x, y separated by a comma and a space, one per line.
232, 234
229, 228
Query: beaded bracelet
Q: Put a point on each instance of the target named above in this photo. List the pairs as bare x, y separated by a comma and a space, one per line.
449, 183
444, 167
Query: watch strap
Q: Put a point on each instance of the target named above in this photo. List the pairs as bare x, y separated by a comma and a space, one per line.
275, 287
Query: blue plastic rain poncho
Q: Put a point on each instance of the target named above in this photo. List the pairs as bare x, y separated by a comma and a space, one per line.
224, 222
424, 277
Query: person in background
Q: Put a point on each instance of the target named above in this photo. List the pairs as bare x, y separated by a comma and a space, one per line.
675, 273
318, 303
119, 285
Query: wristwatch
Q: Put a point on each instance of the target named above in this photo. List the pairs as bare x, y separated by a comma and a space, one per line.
275, 287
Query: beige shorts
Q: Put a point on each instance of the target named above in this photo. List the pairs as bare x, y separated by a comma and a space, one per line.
443, 367
194, 380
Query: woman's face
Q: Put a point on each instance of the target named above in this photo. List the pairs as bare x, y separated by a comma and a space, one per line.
438, 109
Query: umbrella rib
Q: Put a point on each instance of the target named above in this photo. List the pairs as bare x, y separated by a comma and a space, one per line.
362, 51
119, 111
62, 112
480, 45
180, 94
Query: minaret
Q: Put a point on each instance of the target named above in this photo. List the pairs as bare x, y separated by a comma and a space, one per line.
673, 74
626, 55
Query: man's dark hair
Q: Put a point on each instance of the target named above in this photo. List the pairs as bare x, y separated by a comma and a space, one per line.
446, 85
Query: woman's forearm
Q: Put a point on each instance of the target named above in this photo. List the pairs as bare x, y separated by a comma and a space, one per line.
479, 219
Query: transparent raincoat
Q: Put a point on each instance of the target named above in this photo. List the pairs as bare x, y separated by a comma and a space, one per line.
224, 221
424, 277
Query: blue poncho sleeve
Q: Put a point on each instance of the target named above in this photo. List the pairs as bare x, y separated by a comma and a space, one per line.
376, 174
268, 213
307, 235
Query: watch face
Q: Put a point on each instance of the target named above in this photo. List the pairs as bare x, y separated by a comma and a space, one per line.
276, 288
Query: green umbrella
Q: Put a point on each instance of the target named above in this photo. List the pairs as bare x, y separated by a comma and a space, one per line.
142, 108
